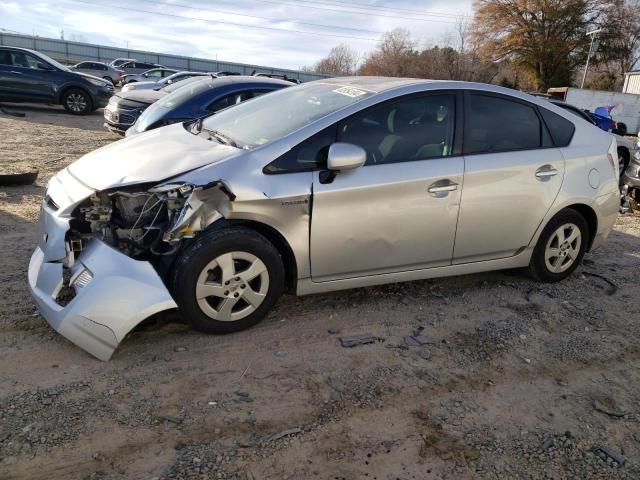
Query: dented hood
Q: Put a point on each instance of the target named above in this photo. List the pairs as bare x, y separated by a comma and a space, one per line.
151, 157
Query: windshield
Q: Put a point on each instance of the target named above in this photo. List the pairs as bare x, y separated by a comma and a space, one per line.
52, 61
270, 117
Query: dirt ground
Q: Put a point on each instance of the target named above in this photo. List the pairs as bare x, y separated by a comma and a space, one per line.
510, 378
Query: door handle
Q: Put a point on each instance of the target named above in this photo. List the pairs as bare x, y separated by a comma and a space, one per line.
441, 187
546, 171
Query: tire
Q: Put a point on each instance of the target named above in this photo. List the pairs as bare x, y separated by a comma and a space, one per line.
238, 300
77, 102
547, 267
621, 129
623, 161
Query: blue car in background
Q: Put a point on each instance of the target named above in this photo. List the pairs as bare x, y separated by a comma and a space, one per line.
203, 97
603, 120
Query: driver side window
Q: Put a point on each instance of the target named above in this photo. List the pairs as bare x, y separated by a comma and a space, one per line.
403, 130
24, 60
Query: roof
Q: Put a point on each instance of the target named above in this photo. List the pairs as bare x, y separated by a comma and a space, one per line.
374, 84
253, 79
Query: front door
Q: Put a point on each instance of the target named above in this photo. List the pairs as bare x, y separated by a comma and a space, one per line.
399, 211
512, 177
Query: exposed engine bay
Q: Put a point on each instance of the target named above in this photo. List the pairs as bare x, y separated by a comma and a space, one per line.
145, 223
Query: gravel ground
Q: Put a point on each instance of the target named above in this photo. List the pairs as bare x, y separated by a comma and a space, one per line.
511, 378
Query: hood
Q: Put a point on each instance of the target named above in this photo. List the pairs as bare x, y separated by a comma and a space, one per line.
146, 97
151, 157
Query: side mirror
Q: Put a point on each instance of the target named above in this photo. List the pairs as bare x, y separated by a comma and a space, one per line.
145, 75
345, 156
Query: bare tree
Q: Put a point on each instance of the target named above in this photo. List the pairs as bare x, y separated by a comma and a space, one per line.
619, 43
395, 56
342, 60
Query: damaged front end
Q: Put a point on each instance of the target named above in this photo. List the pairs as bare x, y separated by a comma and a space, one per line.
147, 223
97, 270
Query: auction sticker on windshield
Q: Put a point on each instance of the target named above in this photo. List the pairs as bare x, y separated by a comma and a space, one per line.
350, 92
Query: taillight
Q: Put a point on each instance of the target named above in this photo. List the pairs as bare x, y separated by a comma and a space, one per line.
120, 73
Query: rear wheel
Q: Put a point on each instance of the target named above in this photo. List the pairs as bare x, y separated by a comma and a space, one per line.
560, 247
227, 280
77, 101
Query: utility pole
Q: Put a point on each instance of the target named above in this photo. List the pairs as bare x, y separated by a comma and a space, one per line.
594, 36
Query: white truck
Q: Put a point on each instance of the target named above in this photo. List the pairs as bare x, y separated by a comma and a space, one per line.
627, 105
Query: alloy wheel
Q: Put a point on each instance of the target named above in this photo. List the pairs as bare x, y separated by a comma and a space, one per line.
76, 102
232, 286
563, 248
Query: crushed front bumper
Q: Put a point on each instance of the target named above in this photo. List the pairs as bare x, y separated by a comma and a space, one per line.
113, 292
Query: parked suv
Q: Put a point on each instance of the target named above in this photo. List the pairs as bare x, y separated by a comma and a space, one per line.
30, 76
99, 69
119, 61
333, 184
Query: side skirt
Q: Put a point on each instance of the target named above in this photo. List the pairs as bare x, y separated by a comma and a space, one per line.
306, 286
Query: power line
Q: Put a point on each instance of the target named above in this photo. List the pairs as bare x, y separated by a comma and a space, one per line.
174, 4
371, 14
185, 17
369, 7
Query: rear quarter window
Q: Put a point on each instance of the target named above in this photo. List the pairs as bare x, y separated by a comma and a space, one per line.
561, 129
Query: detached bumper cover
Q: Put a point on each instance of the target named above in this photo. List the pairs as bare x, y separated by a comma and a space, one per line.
113, 292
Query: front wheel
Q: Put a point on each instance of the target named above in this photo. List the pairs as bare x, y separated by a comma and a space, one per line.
227, 280
560, 247
77, 101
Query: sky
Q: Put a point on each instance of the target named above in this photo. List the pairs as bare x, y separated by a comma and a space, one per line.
263, 32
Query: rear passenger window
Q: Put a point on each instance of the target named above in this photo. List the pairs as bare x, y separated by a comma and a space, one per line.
561, 129
494, 124
306, 156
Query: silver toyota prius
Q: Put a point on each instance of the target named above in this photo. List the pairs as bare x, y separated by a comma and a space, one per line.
333, 184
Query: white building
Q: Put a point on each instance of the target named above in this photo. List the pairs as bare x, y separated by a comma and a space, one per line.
632, 82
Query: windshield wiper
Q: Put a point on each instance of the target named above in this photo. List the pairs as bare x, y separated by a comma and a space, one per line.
221, 137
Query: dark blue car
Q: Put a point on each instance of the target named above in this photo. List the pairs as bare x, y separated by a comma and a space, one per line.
30, 76
197, 99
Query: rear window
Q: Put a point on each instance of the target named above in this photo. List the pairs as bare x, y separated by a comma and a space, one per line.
561, 129
185, 92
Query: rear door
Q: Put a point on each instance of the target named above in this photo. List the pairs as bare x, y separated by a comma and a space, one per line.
513, 173
399, 211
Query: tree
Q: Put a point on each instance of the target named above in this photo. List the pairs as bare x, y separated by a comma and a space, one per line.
619, 43
545, 38
342, 60
395, 56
